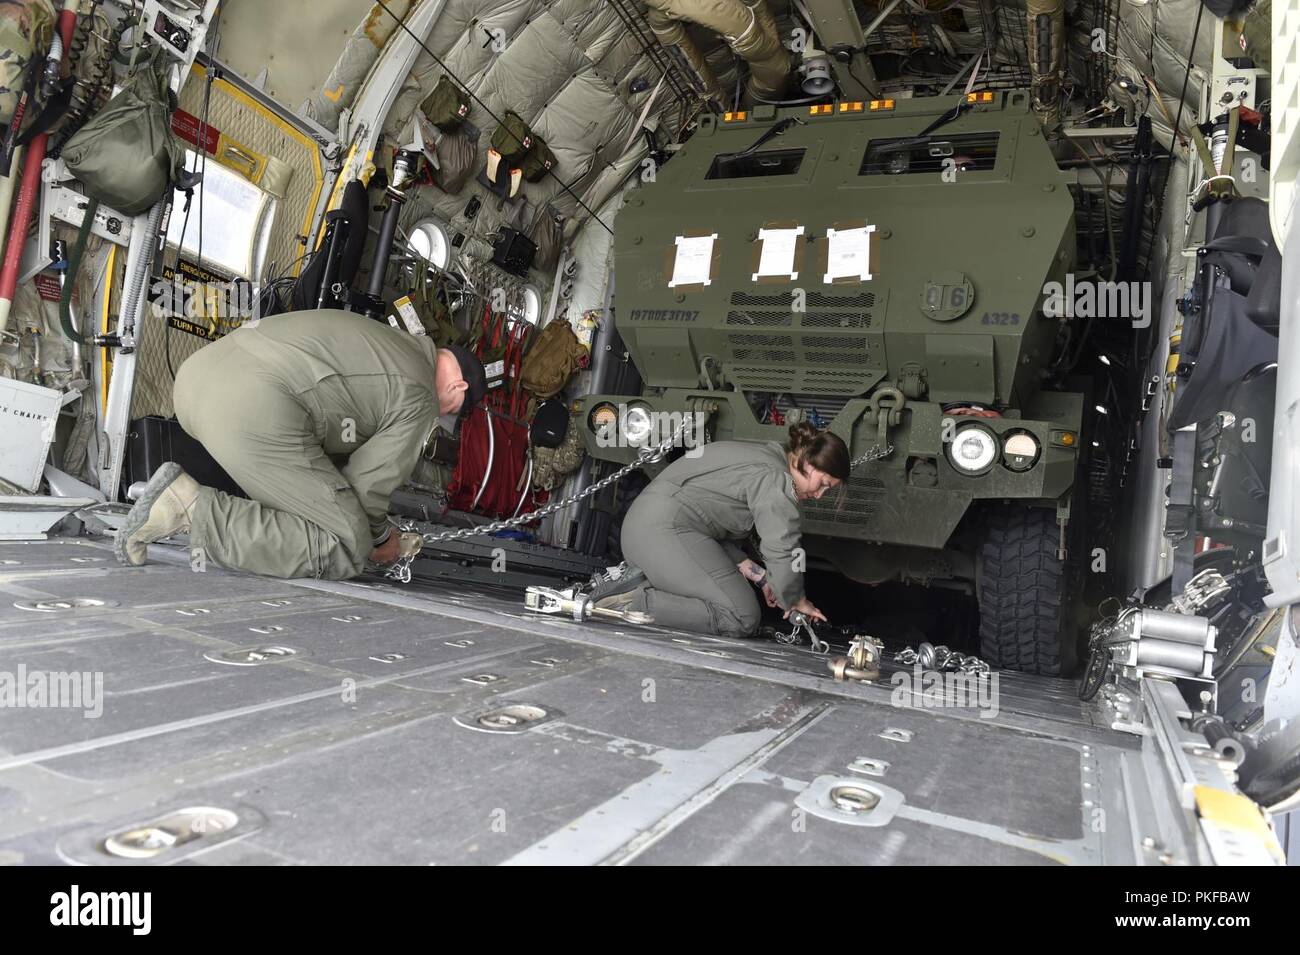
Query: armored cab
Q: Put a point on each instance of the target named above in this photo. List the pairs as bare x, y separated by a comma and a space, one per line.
879, 269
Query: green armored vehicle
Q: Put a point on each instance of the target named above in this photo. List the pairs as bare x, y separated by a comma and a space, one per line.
878, 268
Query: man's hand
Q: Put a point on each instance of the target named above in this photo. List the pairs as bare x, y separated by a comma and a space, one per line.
769, 595
388, 551
805, 607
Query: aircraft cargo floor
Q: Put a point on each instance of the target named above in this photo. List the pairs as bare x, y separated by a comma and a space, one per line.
382, 739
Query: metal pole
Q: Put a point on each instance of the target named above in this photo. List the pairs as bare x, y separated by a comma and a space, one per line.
962, 72
880, 18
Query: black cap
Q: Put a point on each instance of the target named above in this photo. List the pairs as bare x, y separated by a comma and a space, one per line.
471, 369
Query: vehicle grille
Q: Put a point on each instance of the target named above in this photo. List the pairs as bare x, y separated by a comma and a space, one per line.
759, 318
814, 298
860, 497
823, 363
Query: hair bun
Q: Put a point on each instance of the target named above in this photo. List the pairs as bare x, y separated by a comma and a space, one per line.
802, 435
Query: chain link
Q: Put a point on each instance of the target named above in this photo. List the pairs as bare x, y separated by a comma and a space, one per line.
873, 453
942, 659
1200, 592
401, 570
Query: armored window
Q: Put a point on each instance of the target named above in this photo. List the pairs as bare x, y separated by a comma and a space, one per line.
771, 162
962, 152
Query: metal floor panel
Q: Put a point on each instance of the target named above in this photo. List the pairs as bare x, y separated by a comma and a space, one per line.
1026, 784
657, 746
771, 836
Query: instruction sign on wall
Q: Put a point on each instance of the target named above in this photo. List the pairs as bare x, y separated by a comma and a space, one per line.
199, 302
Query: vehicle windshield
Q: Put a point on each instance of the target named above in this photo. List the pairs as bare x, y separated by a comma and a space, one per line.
965, 152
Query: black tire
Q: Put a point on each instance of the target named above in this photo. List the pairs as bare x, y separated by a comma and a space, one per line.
1024, 603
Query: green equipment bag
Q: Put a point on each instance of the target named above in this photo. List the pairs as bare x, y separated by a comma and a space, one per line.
127, 156
447, 106
547, 234
457, 154
538, 161
550, 361
1257, 34
512, 139
25, 31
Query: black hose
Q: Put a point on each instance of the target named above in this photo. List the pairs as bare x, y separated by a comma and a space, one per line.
70, 277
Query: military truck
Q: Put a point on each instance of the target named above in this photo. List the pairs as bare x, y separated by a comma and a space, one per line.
877, 268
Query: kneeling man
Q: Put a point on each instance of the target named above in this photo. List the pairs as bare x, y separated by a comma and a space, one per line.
277, 403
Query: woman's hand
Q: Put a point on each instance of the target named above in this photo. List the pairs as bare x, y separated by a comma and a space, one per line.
751, 571
757, 574
805, 607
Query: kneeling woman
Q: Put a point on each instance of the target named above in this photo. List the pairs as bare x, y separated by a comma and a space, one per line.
684, 532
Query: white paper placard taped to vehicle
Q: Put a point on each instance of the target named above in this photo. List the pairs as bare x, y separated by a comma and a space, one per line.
694, 261
778, 255
848, 254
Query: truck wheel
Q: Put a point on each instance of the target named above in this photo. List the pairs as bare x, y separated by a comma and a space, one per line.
1024, 589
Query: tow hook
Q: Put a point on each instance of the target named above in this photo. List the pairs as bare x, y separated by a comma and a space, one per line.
570, 603
862, 662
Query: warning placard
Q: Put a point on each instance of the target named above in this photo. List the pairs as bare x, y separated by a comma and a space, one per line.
199, 302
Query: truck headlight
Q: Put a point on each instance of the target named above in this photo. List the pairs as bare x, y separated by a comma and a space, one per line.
1019, 450
637, 425
973, 450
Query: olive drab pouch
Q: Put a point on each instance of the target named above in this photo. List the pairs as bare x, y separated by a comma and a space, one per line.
1257, 34
512, 139
127, 156
538, 161
457, 154
26, 28
552, 359
447, 106
547, 233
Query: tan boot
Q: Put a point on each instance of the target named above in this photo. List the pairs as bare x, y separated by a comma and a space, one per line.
619, 602
165, 508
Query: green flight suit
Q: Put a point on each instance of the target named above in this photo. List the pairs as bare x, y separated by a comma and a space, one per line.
684, 531
318, 416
